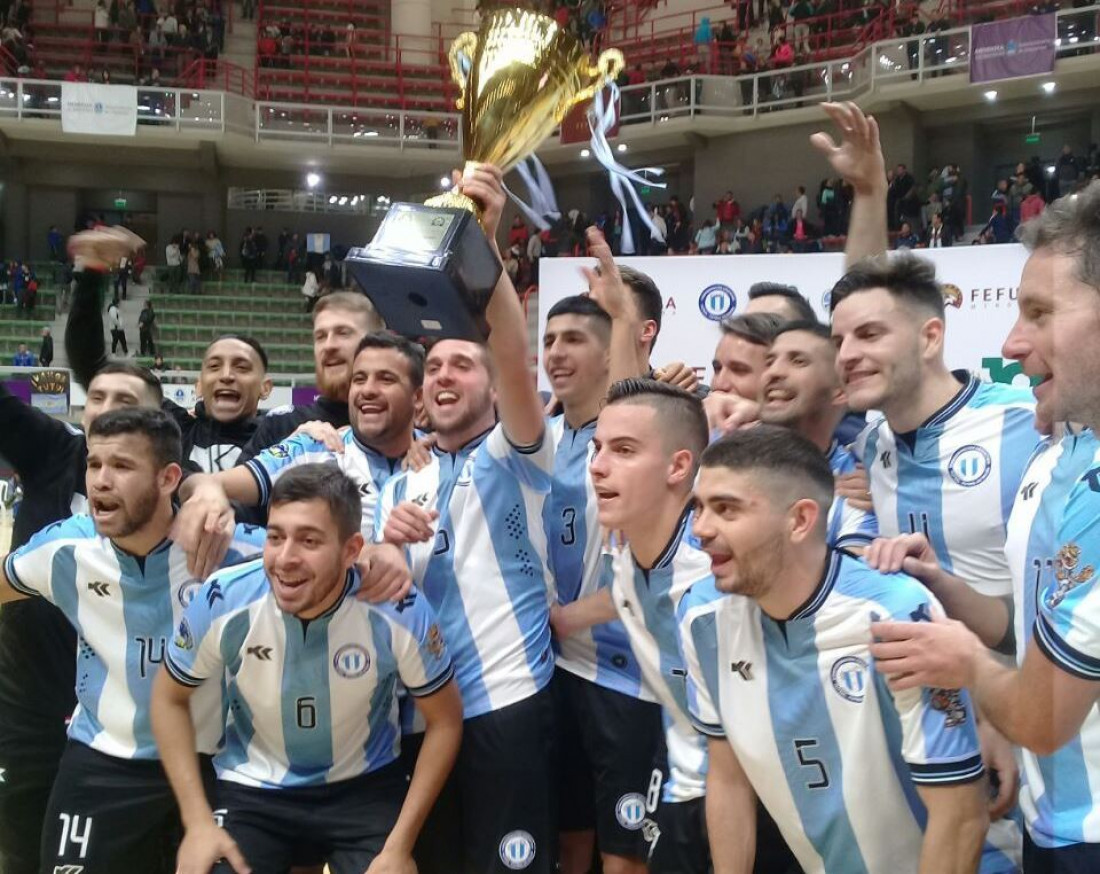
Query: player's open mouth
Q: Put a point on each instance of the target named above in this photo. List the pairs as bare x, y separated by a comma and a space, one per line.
446, 398
719, 559
288, 583
371, 409
778, 395
559, 373
104, 506
226, 395
605, 494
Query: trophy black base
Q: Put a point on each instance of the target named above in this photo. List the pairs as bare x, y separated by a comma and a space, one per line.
429, 271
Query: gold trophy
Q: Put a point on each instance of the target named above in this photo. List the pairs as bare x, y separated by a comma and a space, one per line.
429, 269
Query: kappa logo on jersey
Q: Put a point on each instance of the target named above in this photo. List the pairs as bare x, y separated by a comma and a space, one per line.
923, 613
949, 703
1067, 575
184, 638
1028, 491
262, 653
717, 301
969, 466
351, 661
849, 678
630, 811
100, 588
214, 594
742, 669
886, 459
187, 593
517, 850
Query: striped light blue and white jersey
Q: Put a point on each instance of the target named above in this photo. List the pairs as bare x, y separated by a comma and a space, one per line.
1054, 548
601, 654
366, 467
955, 478
485, 573
646, 602
124, 609
848, 526
834, 755
309, 702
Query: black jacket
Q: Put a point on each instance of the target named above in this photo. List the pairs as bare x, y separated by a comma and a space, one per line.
281, 422
45, 354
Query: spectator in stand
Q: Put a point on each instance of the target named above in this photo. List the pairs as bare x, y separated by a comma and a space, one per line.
76, 74
913, 28
728, 211
311, 290
906, 239
215, 254
801, 203
518, 233
829, 206
101, 21
147, 323
511, 264
534, 255
158, 43
1031, 207
703, 38
261, 247
194, 268
114, 322
45, 351
726, 38
938, 235
122, 277
1066, 171
56, 244
782, 53
248, 254
1017, 193
28, 291
706, 238
801, 233
248, 10
679, 226
800, 12
173, 260
659, 246
900, 187
127, 17
23, 357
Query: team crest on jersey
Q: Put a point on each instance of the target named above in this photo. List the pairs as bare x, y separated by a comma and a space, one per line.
1067, 575
949, 703
630, 811
184, 638
849, 678
187, 591
351, 661
278, 451
517, 850
435, 640
466, 475
970, 465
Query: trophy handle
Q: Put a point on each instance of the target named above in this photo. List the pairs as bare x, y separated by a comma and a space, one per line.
461, 58
608, 67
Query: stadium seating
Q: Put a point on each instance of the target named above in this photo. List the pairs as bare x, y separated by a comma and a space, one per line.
18, 327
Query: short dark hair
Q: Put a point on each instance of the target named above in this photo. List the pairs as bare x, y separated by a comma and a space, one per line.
147, 376
681, 413
815, 327
792, 295
756, 328
1070, 226
161, 430
783, 454
647, 296
413, 352
255, 344
327, 483
579, 305
905, 277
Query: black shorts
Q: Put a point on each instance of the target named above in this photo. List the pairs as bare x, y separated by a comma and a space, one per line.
607, 745
1074, 859
28, 768
498, 810
344, 824
108, 815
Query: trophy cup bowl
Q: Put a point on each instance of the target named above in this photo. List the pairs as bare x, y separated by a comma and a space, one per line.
429, 270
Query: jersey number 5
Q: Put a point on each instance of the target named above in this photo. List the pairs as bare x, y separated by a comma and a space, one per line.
801, 747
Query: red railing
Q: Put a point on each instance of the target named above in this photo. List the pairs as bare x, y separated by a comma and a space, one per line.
219, 76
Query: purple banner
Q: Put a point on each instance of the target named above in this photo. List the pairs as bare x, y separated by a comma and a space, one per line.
303, 394
1015, 47
20, 388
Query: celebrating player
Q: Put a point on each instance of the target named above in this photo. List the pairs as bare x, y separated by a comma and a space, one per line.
123, 584
780, 681
311, 757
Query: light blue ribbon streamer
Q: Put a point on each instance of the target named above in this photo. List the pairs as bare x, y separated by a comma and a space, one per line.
601, 118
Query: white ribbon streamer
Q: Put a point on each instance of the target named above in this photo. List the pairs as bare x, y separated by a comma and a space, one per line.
601, 118
541, 191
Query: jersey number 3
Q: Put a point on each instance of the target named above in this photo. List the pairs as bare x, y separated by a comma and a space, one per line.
569, 518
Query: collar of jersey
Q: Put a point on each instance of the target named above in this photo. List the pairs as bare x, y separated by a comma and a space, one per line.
821, 592
970, 386
164, 545
669, 552
466, 447
351, 585
367, 450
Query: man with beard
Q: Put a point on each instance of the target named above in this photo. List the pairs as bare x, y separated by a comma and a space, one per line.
37, 643
387, 372
231, 384
608, 721
340, 321
123, 584
858, 778
801, 391
471, 524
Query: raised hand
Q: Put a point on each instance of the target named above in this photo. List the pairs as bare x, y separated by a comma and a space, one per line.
858, 158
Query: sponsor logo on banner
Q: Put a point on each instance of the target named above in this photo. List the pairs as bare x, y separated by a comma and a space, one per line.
952, 295
849, 678
717, 301
517, 850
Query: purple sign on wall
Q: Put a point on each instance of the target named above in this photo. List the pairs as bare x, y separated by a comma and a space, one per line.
20, 388
303, 394
1011, 48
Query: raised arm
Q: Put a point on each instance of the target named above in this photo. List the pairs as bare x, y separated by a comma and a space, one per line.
858, 159
518, 402
606, 287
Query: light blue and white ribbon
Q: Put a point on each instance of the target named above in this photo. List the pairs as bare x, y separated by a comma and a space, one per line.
601, 119
543, 204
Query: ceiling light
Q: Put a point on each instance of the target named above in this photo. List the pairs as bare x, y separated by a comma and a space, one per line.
990, 95
313, 180
332, 198
621, 147
343, 200
585, 153
444, 181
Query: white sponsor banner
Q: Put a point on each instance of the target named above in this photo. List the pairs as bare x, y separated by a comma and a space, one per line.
980, 285
109, 110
